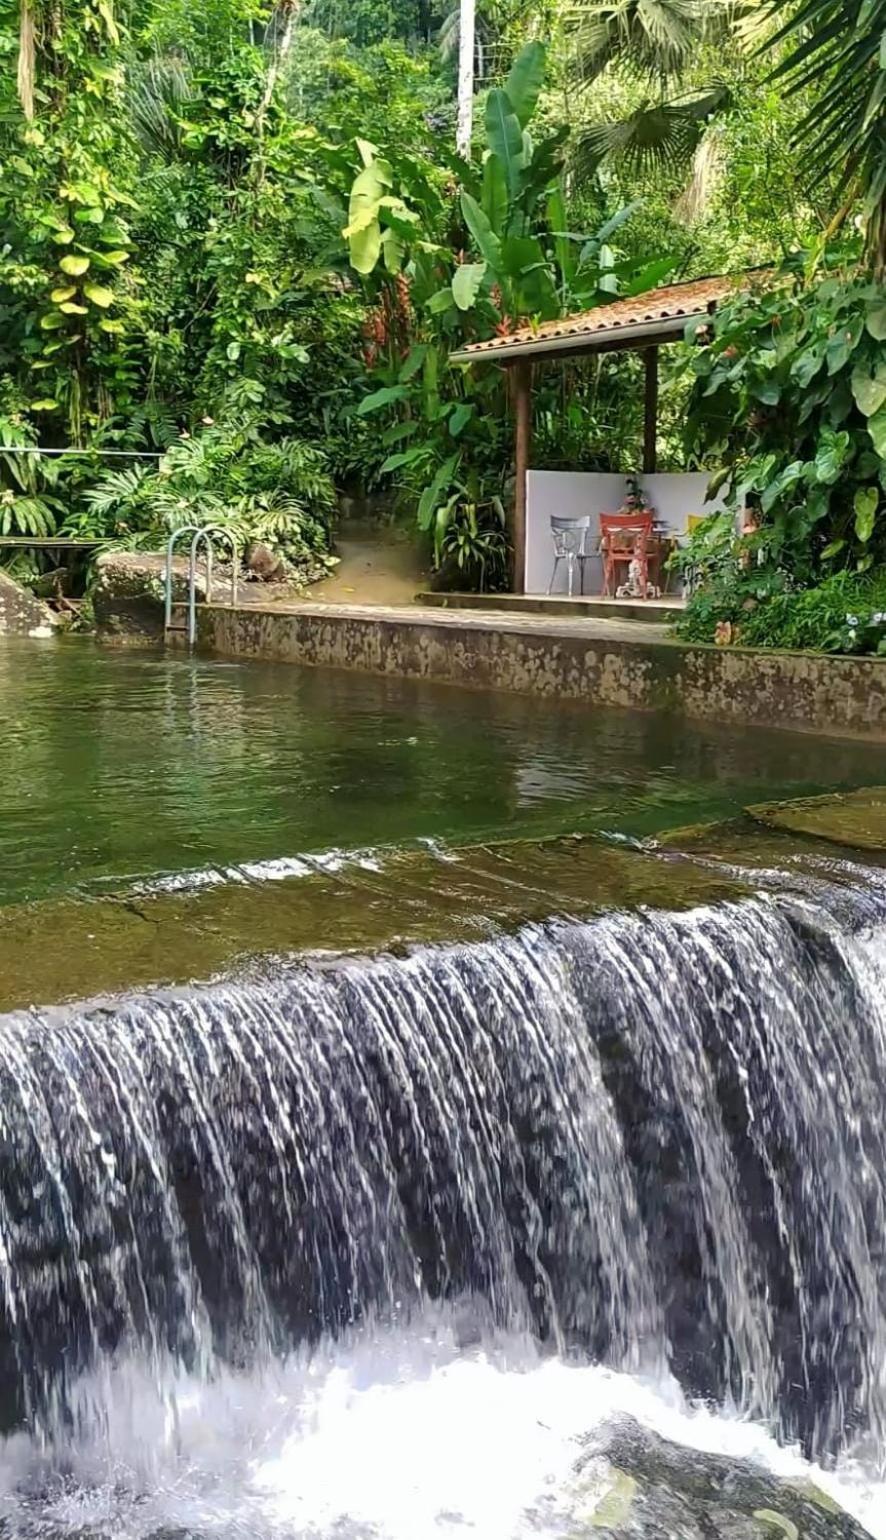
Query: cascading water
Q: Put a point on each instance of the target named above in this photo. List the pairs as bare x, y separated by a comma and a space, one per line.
650, 1141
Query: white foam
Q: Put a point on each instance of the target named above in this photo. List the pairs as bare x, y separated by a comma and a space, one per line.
277, 869
394, 1434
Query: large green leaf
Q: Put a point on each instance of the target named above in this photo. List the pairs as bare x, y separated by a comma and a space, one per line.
413, 361
533, 286
466, 281
524, 83
431, 495
649, 276
97, 294
830, 456
843, 344
379, 398
869, 390
393, 250
876, 318
865, 505
505, 137
564, 245
482, 231
877, 430
363, 230
395, 462
776, 489
495, 194
461, 417
365, 248
806, 367
519, 253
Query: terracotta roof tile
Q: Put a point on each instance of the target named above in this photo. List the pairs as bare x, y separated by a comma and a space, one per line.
666, 304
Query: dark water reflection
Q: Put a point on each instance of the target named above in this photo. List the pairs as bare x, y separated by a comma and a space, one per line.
119, 766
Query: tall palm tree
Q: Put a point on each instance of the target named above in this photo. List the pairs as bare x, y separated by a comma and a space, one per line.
836, 52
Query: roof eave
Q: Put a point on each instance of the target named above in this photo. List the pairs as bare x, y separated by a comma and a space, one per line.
613, 339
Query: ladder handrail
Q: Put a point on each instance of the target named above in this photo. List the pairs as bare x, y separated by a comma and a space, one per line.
206, 533
185, 529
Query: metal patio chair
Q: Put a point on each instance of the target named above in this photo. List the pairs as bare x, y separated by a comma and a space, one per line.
570, 545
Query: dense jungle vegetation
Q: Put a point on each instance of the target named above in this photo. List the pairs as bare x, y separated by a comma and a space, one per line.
237, 243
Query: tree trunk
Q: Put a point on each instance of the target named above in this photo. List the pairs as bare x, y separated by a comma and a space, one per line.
467, 30
26, 59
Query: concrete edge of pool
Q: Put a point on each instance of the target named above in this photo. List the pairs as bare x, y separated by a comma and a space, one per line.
596, 661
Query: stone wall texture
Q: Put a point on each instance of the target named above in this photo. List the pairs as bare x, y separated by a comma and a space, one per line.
806, 691
21, 614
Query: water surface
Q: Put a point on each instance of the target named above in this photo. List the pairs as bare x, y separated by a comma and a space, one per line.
118, 767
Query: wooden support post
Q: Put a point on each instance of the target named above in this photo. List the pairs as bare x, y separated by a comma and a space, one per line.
650, 412
522, 371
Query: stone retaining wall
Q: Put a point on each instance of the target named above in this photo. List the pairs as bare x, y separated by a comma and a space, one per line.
601, 663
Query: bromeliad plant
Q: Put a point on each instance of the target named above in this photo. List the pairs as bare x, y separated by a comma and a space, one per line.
790, 398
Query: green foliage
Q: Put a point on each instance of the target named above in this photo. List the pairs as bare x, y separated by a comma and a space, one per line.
447, 436
27, 503
471, 541
228, 475
656, 46
176, 183
837, 50
790, 398
844, 613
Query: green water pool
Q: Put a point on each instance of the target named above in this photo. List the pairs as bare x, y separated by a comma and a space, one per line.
120, 767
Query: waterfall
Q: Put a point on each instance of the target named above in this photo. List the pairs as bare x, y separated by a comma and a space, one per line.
653, 1140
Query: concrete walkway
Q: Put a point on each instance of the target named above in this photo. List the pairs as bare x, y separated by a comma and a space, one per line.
600, 628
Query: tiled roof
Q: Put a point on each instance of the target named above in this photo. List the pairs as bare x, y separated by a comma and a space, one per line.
678, 301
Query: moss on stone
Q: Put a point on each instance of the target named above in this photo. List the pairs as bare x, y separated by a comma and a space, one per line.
856, 819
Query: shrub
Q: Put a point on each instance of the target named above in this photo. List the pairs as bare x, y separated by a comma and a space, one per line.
790, 398
844, 613
227, 474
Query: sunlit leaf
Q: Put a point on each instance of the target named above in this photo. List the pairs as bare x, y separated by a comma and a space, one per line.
98, 295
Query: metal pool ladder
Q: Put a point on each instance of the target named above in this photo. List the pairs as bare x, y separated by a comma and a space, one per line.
207, 533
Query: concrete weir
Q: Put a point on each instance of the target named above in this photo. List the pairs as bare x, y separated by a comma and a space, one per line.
598, 661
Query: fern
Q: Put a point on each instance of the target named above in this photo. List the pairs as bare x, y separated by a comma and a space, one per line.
27, 516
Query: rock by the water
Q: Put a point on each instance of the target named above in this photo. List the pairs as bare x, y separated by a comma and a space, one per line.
266, 565
21, 614
853, 818
631, 1484
129, 592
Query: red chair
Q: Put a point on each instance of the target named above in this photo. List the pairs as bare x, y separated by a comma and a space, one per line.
624, 538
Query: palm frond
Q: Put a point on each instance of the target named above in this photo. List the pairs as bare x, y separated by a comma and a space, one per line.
657, 135
657, 39
835, 51
706, 167
158, 92
117, 491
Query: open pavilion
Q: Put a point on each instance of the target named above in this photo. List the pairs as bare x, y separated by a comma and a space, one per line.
644, 323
